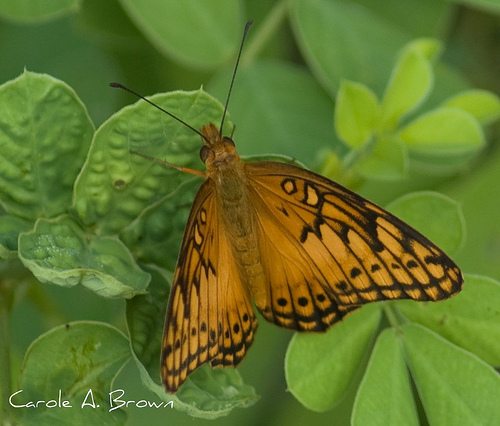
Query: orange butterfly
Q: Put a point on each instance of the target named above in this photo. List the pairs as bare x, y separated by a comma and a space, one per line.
304, 249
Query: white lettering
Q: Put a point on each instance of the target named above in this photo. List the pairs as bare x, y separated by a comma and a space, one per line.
113, 400
85, 402
51, 403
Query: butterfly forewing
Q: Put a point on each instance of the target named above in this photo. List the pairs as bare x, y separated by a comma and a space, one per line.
326, 250
209, 317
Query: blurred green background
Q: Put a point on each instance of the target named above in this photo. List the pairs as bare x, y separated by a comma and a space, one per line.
297, 53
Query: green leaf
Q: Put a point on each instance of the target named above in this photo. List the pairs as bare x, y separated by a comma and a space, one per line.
333, 38
73, 358
332, 166
455, 387
214, 392
277, 107
320, 367
444, 132
478, 194
471, 319
357, 113
151, 237
198, 34
34, 11
481, 104
145, 315
430, 18
207, 393
46, 133
387, 160
10, 227
429, 48
109, 25
57, 251
492, 6
435, 215
385, 396
115, 185
410, 83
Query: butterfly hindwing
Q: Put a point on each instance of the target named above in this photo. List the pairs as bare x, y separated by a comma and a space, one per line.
327, 251
209, 316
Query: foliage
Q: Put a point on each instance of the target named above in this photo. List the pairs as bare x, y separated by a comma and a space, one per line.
376, 102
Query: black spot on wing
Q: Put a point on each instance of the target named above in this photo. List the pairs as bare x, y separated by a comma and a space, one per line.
283, 210
412, 264
282, 301
302, 301
355, 272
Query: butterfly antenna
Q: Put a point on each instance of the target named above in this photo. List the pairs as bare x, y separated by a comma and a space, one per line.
121, 86
245, 32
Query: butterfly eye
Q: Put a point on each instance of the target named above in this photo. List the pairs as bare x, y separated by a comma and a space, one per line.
204, 151
228, 141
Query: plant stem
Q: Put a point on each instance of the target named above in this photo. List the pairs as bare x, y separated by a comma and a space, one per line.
266, 30
355, 155
391, 316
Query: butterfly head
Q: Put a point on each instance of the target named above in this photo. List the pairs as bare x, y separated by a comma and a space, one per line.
217, 151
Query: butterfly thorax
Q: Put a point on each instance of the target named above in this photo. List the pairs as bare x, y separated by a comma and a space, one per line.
222, 161
227, 171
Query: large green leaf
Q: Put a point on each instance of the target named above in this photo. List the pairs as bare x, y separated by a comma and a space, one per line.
492, 6
455, 387
344, 40
156, 234
429, 18
320, 367
116, 185
478, 194
198, 34
45, 136
385, 397
74, 359
471, 319
58, 251
30, 11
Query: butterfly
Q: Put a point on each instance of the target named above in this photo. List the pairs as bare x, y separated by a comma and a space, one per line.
302, 248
